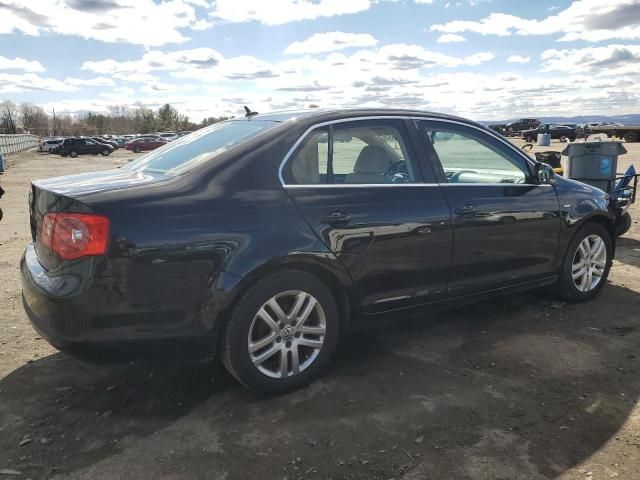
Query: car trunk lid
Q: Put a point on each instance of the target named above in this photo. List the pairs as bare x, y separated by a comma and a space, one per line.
72, 194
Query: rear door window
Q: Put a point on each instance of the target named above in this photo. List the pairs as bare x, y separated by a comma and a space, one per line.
359, 152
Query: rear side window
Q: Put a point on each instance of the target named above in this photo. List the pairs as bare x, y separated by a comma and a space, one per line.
358, 153
202, 145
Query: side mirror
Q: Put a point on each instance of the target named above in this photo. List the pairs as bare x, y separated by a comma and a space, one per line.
543, 173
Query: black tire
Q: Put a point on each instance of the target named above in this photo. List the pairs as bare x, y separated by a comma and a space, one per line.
565, 287
105, 152
234, 345
563, 138
137, 150
529, 139
630, 137
623, 224
73, 154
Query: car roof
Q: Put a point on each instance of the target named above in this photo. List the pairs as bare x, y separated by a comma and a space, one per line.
309, 114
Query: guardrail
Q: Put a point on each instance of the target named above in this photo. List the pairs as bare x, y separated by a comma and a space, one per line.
10, 144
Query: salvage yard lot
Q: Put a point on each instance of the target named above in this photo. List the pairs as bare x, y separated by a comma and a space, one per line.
517, 387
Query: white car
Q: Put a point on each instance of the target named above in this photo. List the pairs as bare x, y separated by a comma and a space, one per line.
50, 143
167, 136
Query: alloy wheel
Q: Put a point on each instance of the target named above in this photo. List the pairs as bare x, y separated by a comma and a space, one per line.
589, 263
287, 334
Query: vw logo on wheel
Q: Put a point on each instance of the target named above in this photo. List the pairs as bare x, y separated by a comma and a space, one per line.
287, 332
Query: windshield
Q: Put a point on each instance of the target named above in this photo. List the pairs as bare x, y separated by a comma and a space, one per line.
200, 146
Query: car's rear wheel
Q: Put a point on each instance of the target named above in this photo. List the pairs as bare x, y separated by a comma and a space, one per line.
282, 332
73, 154
586, 265
563, 138
528, 138
137, 149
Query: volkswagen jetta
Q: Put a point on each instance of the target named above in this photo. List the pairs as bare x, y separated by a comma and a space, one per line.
268, 236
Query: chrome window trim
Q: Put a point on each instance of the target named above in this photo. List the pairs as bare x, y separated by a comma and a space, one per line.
520, 153
386, 185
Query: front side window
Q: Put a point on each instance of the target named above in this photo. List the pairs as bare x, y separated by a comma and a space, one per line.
89, 142
358, 153
468, 157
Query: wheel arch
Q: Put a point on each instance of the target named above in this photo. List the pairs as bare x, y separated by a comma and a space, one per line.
602, 219
338, 283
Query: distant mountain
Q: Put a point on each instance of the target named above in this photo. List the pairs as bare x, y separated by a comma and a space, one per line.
632, 119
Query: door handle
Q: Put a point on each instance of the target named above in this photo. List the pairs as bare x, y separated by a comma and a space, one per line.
336, 218
466, 210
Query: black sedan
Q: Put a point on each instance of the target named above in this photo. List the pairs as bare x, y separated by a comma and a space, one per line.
266, 237
75, 146
558, 132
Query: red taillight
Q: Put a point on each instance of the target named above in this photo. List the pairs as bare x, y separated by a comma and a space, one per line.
75, 235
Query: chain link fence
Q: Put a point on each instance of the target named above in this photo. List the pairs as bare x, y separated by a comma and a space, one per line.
10, 144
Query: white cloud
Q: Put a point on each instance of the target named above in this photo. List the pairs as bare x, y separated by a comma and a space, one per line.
611, 60
143, 22
202, 25
90, 82
518, 59
331, 41
276, 12
590, 20
196, 58
20, 64
450, 38
28, 82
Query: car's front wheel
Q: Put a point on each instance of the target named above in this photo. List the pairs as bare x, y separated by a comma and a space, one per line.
137, 149
73, 154
586, 264
282, 332
105, 152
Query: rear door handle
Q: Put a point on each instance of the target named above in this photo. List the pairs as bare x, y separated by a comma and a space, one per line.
336, 218
466, 210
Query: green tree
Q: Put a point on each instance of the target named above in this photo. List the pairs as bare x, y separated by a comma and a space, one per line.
168, 117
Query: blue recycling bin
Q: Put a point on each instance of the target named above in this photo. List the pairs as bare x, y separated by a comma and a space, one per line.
594, 163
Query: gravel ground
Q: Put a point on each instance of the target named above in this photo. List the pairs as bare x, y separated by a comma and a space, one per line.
519, 387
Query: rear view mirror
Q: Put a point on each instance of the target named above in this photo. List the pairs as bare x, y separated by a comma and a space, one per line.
543, 173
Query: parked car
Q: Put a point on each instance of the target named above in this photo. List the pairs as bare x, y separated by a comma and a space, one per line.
106, 142
48, 144
121, 141
183, 133
80, 145
269, 237
145, 143
517, 126
561, 132
167, 136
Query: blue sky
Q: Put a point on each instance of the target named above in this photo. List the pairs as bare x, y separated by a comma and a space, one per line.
485, 59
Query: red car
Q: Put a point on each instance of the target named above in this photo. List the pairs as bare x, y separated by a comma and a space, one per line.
144, 143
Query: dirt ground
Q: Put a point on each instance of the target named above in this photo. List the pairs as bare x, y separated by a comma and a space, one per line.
515, 388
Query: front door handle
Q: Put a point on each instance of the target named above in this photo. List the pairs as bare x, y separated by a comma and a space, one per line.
336, 218
466, 210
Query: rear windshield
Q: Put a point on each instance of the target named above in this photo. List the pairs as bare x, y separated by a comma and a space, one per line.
200, 146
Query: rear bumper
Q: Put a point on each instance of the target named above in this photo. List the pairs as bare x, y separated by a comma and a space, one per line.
121, 310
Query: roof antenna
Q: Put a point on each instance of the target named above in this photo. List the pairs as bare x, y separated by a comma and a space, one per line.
248, 113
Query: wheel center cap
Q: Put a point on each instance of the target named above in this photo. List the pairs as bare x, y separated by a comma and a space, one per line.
287, 332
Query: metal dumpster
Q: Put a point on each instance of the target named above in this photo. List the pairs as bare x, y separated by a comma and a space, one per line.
594, 163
